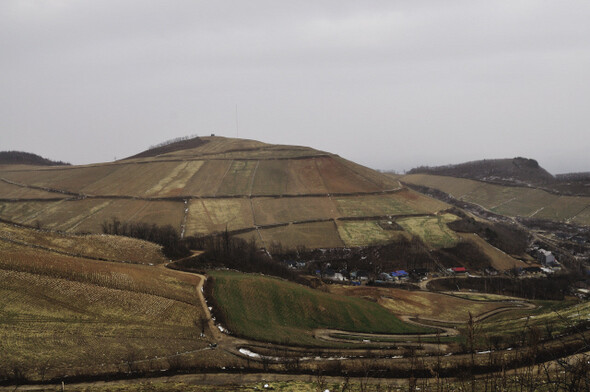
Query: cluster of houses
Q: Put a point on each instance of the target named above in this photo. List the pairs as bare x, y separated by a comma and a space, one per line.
357, 277
547, 261
549, 265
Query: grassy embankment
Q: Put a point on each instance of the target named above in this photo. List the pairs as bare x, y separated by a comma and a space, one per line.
65, 315
550, 317
269, 309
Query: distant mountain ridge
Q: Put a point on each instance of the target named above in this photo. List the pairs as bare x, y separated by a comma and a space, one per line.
27, 158
514, 171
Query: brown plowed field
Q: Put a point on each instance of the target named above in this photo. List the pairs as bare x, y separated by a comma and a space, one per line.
283, 210
215, 215
310, 235
70, 178
271, 178
10, 191
238, 179
340, 179
421, 304
207, 179
304, 178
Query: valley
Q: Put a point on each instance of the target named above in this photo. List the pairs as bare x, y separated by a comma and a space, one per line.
288, 261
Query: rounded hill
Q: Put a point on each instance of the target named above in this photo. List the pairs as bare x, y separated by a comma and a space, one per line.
275, 193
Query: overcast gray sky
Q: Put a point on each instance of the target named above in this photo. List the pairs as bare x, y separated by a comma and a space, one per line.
388, 84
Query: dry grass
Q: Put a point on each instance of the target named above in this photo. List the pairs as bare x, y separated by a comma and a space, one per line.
583, 218
86, 215
63, 315
68, 326
564, 208
457, 187
554, 316
382, 180
524, 203
432, 230
420, 303
70, 178
270, 178
365, 232
511, 201
283, 210
310, 235
207, 180
238, 179
134, 277
174, 183
373, 205
500, 260
211, 215
23, 211
132, 179
9, 191
93, 246
304, 178
339, 178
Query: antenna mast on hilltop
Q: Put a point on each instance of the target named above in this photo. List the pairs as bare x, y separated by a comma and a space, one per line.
237, 129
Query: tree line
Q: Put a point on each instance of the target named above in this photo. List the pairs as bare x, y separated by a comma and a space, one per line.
167, 236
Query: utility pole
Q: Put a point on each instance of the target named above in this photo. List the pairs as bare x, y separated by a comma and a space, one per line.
237, 129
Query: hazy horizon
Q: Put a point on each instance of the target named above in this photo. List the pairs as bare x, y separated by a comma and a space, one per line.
388, 85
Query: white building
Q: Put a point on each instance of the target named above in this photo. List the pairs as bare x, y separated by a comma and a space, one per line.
545, 257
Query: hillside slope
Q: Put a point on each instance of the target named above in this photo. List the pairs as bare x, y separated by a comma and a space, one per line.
67, 314
510, 200
519, 171
273, 193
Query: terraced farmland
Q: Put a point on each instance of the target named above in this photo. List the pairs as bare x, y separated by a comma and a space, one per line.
285, 194
359, 233
104, 247
425, 305
432, 230
549, 317
63, 314
310, 235
510, 200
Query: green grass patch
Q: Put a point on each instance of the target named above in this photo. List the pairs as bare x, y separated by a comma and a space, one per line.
432, 230
362, 233
269, 309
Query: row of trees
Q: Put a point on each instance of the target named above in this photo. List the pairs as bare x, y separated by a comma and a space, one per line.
226, 251
506, 237
166, 236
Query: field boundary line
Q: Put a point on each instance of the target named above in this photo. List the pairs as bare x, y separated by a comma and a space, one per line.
223, 177
84, 218
251, 186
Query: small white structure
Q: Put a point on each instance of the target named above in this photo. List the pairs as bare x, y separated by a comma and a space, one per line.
545, 257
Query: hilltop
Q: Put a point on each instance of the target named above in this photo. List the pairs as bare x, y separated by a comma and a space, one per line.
26, 158
273, 193
284, 198
515, 171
